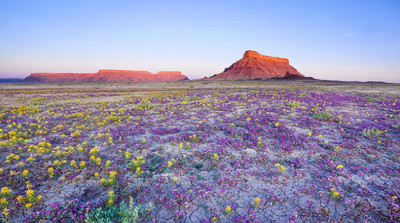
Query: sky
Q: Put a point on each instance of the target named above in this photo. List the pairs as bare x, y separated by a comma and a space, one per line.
331, 39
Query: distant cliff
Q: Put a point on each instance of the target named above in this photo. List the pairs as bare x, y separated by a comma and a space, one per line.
106, 76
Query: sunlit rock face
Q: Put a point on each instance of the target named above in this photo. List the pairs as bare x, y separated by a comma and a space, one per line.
254, 66
106, 76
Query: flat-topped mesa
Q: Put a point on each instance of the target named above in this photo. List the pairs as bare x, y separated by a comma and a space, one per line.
106, 76
255, 54
135, 76
170, 76
255, 66
172, 73
119, 72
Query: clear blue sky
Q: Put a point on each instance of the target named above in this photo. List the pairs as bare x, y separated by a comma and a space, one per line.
326, 39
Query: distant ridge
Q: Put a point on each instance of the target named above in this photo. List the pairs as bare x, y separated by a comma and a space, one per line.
255, 66
106, 76
10, 80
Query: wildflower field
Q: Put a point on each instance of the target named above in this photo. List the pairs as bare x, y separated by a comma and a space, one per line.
227, 154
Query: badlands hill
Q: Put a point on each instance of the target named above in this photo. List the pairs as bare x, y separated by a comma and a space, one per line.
106, 76
254, 66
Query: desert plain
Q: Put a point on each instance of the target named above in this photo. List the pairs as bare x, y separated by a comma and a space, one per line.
200, 151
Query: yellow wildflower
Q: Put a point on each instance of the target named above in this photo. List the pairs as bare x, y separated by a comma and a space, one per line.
257, 201
215, 157
82, 164
73, 164
5, 212
19, 198
5, 190
25, 173
228, 209
3, 201
282, 169
30, 192
335, 194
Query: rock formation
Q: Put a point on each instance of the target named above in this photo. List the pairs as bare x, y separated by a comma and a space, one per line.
106, 76
56, 77
10, 80
254, 66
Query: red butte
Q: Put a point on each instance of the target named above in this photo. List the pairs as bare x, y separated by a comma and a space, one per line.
254, 66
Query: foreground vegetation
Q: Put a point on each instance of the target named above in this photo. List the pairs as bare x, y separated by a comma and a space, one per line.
199, 155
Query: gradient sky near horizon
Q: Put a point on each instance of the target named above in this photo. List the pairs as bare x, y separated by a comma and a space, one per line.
330, 39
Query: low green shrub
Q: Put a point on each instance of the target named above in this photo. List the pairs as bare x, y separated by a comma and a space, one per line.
124, 213
322, 115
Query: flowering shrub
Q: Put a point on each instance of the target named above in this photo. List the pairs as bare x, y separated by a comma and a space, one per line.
111, 179
30, 199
